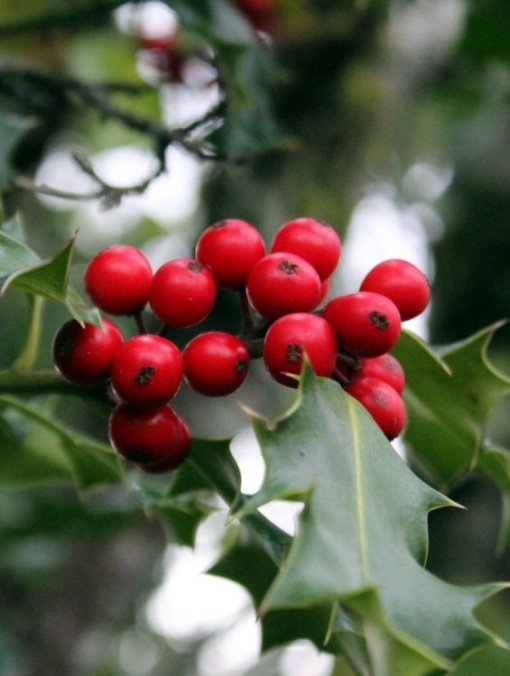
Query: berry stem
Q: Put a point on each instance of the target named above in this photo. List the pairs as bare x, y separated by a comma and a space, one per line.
140, 322
28, 355
164, 330
254, 346
350, 361
340, 377
248, 327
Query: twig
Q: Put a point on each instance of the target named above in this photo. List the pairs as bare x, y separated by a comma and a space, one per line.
96, 96
109, 195
47, 92
67, 15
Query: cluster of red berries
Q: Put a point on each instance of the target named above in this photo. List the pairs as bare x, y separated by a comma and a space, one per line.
173, 60
348, 339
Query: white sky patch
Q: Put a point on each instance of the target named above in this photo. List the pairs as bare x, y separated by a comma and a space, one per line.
247, 454
246, 451
189, 603
151, 18
233, 651
60, 171
170, 200
303, 659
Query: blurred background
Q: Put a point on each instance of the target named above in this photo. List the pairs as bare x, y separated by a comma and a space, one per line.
389, 119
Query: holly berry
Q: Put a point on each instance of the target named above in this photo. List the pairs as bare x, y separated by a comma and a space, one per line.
259, 12
281, 283
118, 280
148, 436
403, 283
183, 292
383, 403
181, 448
293, 336
167, 54
147, 370
386, 368
366, 324
229, 249
315, 241
216, 363
84, 354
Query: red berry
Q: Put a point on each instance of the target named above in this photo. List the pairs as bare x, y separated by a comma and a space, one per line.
229, 249
166, 53
325, 287
182, 292
147, 436
216, 363
383, 403
292, 336
259, 12
147, 370
403, 283
84, 354
118, 280
386, 368
314, 240
281, 283
366, 324
179, 452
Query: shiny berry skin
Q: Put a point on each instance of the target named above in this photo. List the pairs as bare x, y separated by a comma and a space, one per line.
292, 336
147, 436
386, 368
180, 450
314, 240
325, 287
147, 371
366, 324
229, 249
84, 354
403, 283
118, 280
281, 283
183, 292
383, 403
216, 363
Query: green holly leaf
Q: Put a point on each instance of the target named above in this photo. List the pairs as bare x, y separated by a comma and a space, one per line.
491, 660
22, 268
362, 535
217, 20
450, 394
495, 463
48, 452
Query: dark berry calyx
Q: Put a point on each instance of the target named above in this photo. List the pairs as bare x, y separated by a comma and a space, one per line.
294, 353
195, 266
380, 321
288, 268
145, 375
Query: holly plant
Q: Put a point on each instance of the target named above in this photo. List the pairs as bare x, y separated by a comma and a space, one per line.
135, 339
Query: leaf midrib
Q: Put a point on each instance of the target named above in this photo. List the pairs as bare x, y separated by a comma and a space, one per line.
358, 484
